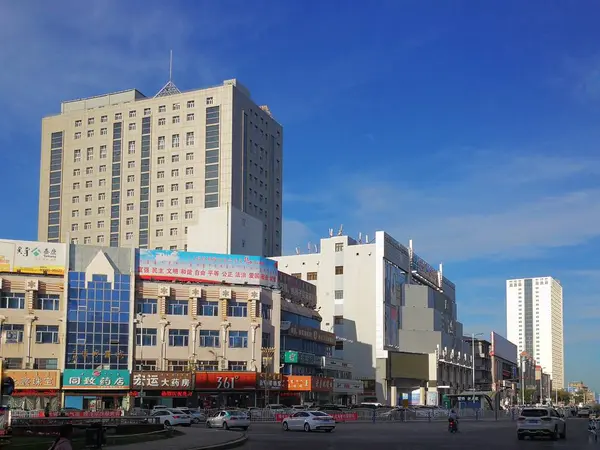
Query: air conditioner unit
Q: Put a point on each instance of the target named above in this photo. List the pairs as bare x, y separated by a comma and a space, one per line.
32, 285
164, 290
225, 294
223, 364
254, 294
195, 292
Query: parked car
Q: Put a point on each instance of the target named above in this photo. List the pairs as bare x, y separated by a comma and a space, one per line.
547, 422
172, 418
584, 412
309, 421
196, 416
229, 419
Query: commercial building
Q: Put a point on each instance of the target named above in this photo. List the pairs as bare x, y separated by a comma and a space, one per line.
534, 318
97, 328
197, 170
393, 315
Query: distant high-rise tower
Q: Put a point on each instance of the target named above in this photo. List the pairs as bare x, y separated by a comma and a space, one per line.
197, 170
534, 321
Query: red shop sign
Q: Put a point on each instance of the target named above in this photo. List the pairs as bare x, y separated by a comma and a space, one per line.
226, 381
176, 394
34, 393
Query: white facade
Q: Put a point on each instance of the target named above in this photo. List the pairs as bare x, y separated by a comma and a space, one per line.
127, 170
534, 321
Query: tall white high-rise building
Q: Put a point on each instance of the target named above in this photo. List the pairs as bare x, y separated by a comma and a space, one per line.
534, 321
196, 170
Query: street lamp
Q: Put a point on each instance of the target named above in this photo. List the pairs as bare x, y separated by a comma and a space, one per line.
473, 336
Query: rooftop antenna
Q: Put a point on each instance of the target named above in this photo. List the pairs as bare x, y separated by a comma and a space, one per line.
169, 88
297, 251
316, 249
309, 246
367, 238
331, 232
171, 65
341, 230
360, 237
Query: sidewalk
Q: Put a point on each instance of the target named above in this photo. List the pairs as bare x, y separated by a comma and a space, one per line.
193, 439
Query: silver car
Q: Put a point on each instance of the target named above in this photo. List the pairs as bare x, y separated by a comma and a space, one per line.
309, 421
227, 419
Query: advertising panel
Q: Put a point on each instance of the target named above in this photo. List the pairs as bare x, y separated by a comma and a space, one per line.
306, 383
91, 379
225, 381
503, 348
424, 270
161, 380
312, 334
271, 381
395, 251
39, 258
173, 265
34, 379
297, 290
394, 279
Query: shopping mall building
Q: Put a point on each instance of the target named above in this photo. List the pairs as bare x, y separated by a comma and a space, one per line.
104, 327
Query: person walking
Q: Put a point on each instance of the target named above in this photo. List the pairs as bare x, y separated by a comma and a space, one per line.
63, 441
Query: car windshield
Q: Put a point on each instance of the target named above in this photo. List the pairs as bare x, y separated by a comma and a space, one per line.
319, 414
236, 413
534, 413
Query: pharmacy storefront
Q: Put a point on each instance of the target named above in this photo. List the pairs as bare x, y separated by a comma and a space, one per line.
96, 390
171, 389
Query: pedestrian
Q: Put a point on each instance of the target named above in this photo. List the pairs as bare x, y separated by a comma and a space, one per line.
47, 410
63, 441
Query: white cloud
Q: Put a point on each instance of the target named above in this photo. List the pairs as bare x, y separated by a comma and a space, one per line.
492, 206
297, 235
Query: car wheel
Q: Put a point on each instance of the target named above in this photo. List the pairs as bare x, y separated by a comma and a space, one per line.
555, 435
520, 436
328, 431
306, 427
225, 426
208, 424
166, 423
286, 427
563, 435
245, 428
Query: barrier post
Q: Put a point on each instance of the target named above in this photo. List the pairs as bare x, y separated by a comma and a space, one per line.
429, 416
374, 415
476, 414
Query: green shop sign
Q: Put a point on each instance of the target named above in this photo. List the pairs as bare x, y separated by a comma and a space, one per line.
293, 357
290, 357
91, 379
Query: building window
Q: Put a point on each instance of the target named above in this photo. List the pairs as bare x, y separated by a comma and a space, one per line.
77, 135
173, 231
104, 119
339, 270
162, 108
146, 365
339, 246
189, 157
13, 333
90, 133
102, 169
189, 117
209, 100
175, 141
100, 239
147, 306
237, 309
159, 232
130, 192
162, 121
177, 307
209, 338
175, 158
206, 308
132, 126
45, 363
130, 207
89, 170
101, 210
189, 215
103, 131
339, 295
338, 320
178, 365
160, 188
11, 300
176, 106
179, 338
160, 218
189, 185
160, 203
297, 275
87, 240
189, 200
147, 111
146, 337
102, 196
174, 172
339, 345
131, 147
237, 366
87, 226
132, 114
189, 138
174, 187
311, 276
176, 119
161, 142
13, 363
78, 123
129, 236
77, 155
190, 103
102, 182
46, 334
238, 339
174, 202
118, 116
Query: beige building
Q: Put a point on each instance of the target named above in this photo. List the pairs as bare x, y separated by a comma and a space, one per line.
212, 328
199, 169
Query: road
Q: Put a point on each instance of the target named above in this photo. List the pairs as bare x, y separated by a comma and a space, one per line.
483, 435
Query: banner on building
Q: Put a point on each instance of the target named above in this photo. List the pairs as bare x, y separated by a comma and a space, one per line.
39, 258
91, 379
31, 380
164, 381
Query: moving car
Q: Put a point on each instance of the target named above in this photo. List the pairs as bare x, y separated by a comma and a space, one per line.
583, 412
197, 416
309, 421
171, 418
229, 419
535, 422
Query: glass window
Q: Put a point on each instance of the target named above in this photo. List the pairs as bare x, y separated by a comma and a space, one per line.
48, 302
12, 300
147, 306
209, 338
146, 337
179, 338
238, 366
238, 339
45, 363
237, 309
46, 334
13, 333
206, 308
177, 307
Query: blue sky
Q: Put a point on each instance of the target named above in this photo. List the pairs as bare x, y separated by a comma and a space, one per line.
469, 127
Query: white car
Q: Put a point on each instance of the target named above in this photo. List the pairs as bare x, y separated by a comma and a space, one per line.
534, 422
309, 421
229, 419
171, 418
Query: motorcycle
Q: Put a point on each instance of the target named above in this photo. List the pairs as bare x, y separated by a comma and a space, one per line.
452, 426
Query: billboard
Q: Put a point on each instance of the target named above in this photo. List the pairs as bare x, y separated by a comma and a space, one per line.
173, 265
394, 278
422, 268
162, 380
297, 290
394, 250
94, 379
226, 381
34, 380
503, 348
39, 258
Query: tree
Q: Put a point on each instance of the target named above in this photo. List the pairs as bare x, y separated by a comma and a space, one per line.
530, 396
563, 396
578, 396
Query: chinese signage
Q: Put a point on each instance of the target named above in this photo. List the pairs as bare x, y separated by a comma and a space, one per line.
161, 380
91, 379
425, 271
307, 383
297, 290
290, 357
173, 265
311, 334
348, 386
35, 379
176, 394
271, 381
32, 257
226, 381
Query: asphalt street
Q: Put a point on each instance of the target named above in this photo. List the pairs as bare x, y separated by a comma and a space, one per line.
483, 435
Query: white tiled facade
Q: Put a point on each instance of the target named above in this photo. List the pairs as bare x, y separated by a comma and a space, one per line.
127, 170
534, 320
